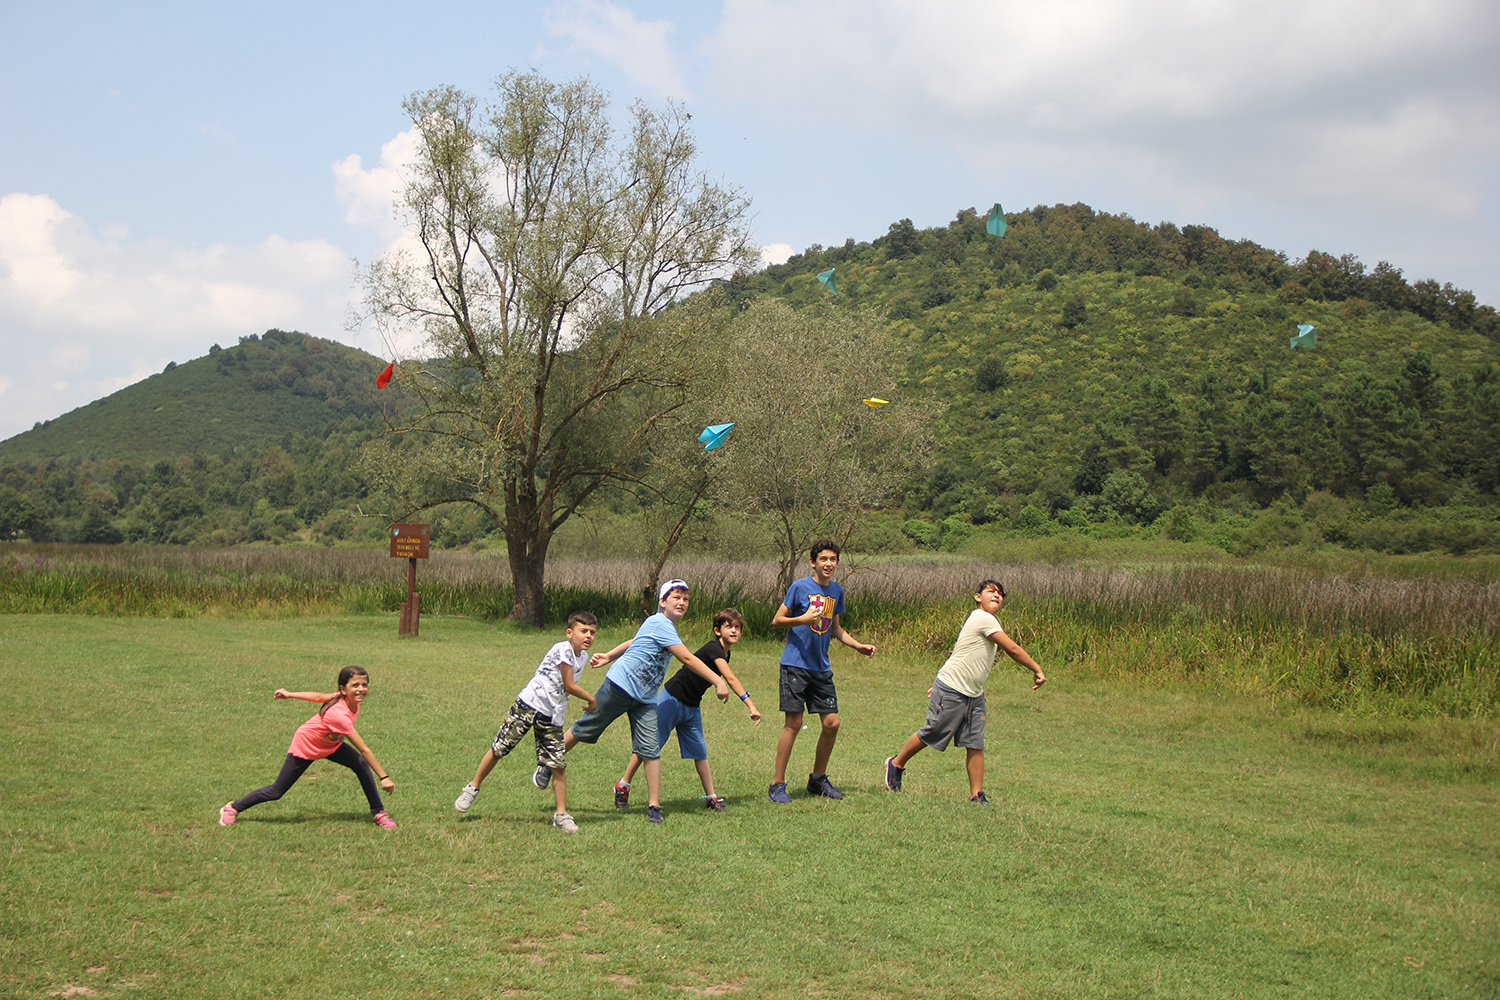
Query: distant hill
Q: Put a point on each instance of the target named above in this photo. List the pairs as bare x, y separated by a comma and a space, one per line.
256, 391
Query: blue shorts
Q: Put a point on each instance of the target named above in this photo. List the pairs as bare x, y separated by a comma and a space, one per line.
687, 720
613, 702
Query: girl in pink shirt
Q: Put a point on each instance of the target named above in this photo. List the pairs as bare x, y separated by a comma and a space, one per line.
322, 736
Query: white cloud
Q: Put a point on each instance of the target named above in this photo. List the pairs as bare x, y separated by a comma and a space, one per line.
776, 253
369, 196
86, 311
641, 49
1302, 101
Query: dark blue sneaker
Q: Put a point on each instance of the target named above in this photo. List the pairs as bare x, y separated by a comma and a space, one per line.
981, 800
818, 784
653, 815
778, 793
893, 774
543, 776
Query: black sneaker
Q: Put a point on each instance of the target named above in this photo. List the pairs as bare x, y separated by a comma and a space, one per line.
622, 795
653, 815
981, 800
715, 802
778, 793
893, 774
818, 784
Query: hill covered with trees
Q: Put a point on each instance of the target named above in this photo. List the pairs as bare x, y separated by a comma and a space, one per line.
1096, 375
1101, 372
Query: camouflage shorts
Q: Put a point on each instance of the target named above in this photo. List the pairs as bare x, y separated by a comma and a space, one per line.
518, 720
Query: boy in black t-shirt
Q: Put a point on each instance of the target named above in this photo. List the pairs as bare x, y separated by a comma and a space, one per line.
677, 708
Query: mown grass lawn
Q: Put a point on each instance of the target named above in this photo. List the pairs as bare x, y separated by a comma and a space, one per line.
1144, 843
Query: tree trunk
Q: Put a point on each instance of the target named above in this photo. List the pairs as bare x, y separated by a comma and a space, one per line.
527, 536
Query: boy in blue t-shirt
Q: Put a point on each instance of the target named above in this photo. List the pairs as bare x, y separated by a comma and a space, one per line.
630, 687
810, 613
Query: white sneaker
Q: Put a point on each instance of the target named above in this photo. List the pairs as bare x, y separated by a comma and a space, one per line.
564, 822
465, 798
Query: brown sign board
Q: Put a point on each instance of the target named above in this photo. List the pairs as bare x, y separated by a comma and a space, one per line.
409, 541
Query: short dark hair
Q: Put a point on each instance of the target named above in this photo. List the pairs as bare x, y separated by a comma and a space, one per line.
582, 618
990, 583
728, 616
822, 545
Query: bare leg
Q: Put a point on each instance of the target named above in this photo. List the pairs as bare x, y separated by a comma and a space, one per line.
653, 782
705, 776
826, 739
913, 747
785, 742
560, 789
975, 766
486, 765
569, 740
630, 768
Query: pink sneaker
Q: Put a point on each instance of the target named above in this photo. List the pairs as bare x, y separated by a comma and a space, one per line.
228, 815
384, 821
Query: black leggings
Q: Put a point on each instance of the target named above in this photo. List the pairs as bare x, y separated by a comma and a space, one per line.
292, 769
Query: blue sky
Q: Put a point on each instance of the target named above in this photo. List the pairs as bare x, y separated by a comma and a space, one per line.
174, 175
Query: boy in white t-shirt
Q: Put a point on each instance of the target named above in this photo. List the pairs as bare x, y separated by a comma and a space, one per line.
955, 704
540, 708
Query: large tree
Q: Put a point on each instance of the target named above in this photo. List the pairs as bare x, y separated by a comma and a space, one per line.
548, 247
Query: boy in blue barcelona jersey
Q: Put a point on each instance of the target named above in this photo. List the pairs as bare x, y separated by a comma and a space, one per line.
810, 614
631, 685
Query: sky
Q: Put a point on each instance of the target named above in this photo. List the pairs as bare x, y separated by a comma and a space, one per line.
175, 175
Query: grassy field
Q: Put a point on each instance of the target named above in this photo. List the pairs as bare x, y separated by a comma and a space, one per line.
1147, 840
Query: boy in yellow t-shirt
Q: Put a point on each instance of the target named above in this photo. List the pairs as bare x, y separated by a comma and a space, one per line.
955, 704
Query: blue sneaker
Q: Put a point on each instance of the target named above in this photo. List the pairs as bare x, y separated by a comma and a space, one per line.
818, 784
981, 800
778, 793
653, 815
543, 776
893, 774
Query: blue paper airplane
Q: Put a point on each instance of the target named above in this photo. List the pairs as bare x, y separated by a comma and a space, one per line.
827, 278
713, 436
1306, 336
995, 224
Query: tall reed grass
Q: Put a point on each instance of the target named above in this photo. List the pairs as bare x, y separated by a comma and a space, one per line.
1343, 640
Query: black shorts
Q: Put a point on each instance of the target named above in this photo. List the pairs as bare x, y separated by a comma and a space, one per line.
808, 691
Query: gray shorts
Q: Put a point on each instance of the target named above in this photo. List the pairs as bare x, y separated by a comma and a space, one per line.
520, 718
953, 716
613, 702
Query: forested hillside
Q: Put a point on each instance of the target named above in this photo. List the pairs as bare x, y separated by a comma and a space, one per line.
1097, 376
1102, 371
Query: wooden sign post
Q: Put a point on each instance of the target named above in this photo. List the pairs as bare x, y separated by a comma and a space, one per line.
409, 542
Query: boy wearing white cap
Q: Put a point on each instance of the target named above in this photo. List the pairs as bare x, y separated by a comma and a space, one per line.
637, 670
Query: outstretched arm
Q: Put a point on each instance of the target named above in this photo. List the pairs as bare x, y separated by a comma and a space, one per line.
313, 696
386, 784
700, 668
600, 659
1015, 652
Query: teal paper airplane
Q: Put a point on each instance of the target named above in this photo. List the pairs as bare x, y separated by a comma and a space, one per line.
713, 436
995, 224
1306, 336
827, 278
